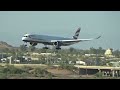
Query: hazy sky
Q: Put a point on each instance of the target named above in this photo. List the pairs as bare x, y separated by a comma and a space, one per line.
14, 24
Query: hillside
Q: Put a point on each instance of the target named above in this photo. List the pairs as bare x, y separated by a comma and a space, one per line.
4, 45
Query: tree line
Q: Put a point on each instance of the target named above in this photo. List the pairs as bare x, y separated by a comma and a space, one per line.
23, 49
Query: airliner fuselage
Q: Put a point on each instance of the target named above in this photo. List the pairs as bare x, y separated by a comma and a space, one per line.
56, 41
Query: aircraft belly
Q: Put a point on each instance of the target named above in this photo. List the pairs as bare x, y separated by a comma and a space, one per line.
36, 40
66, 44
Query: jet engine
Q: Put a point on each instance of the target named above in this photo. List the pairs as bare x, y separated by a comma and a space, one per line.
33, 44
57, 44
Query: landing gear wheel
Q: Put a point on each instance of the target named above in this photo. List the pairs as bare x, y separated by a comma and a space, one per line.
25, 44
45, 48
58, 48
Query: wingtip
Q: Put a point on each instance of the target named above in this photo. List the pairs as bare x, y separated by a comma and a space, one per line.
98, 37
79, 28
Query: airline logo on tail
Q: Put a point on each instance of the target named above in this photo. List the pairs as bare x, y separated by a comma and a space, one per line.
77, 33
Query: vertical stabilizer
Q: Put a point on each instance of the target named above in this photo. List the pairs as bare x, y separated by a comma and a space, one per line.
77, 33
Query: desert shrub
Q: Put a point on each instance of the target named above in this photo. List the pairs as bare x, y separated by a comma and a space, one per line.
12, 70
68, 67
3, 76
99, 74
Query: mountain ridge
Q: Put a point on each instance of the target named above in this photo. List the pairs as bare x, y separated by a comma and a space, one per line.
4, 45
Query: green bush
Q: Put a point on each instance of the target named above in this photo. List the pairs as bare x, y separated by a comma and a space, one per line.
49, 76
99, 74
12, 70
23, 72
3, 76
65, 66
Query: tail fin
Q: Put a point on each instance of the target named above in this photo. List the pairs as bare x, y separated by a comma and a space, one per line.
77, 33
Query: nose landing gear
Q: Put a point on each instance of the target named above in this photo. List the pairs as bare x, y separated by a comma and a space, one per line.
45, 47
25, 44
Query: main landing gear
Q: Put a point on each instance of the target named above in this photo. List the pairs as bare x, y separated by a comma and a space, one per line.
25, 44
45, 47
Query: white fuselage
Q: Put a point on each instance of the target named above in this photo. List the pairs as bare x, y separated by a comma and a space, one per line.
49, 40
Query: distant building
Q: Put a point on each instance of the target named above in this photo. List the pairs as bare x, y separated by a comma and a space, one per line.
115, 64
47, 54
17, 61
43, 54
35, 54
80, 63
90, 55
4, 59
34, 58
108, 53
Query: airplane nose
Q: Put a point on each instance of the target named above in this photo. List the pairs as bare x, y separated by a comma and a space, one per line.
23, 38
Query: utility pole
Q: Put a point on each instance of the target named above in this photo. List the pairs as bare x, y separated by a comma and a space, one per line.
9, 58
86, 70
97, 62
2, 57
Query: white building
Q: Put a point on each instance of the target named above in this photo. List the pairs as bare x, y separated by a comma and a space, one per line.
108, 53
80, 62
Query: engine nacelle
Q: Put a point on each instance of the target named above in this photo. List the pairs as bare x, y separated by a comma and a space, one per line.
57, 44
33, 44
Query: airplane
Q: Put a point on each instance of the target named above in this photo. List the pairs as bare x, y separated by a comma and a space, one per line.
56, 41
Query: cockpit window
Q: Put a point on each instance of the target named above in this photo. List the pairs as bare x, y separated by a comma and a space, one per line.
28, 36
25, 36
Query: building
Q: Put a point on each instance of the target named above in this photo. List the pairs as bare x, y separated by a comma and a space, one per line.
43, 54
80, 63
108, 53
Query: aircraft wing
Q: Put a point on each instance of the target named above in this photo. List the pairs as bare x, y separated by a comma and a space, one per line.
65, 40
72, 41
89, 39
75, 40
